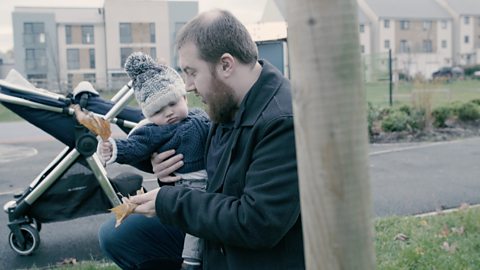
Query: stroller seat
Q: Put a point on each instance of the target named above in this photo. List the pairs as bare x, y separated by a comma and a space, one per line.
75, 183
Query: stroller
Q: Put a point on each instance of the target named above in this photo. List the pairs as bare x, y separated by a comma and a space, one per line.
75, 183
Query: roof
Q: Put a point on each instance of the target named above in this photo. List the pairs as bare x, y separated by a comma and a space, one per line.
362, 18
272, 12
465, 7
408, 9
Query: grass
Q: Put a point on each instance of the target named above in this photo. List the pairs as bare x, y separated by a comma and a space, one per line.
441, 92
441, 242
377, 93
447, 241
83, 265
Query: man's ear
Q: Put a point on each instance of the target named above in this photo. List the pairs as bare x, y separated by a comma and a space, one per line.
226, 64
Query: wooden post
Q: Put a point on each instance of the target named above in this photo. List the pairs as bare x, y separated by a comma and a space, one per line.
331, 134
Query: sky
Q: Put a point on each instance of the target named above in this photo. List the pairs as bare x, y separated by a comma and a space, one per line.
247, 11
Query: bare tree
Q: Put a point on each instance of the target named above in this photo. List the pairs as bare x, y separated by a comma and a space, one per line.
331, 134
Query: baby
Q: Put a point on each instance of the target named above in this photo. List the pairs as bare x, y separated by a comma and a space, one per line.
169, 124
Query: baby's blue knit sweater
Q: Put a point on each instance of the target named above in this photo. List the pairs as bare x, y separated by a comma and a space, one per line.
187, 137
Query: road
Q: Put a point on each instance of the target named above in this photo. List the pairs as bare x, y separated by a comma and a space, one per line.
405, 179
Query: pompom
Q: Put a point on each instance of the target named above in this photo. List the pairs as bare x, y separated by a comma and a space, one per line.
138, 63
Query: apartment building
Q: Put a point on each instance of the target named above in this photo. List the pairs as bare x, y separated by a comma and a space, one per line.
365, 33
466, 19
56, 48
419, 34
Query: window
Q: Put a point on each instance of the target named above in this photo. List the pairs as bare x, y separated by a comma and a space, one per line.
153, 53
33, 33
90, 77
386, 44
427, 25
34, 28
70, 81
427, 46
362, 49
444, 44
404, 25
124, 53
466, 20
39, 80
68, 34
73, 59
362, 28
152, 32
87, 34
125, 33
30, 59
444, 24
466, 39
386, 24
35, 59
404, 46
91, 53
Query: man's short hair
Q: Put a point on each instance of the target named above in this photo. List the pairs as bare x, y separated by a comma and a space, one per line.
217, 32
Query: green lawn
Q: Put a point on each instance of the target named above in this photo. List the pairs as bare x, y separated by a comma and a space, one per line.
442, 242
377, 93
439, 93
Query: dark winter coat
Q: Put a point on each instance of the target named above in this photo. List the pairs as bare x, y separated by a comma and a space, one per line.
250, 214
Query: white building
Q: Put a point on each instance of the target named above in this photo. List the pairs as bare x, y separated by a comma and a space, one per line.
418, 32
466, 18
58, 47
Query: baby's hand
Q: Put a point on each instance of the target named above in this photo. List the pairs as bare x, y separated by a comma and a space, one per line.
105, 150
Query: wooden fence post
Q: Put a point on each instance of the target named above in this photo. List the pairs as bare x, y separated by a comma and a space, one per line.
331, 134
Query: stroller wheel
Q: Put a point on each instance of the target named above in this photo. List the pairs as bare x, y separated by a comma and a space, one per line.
32, 240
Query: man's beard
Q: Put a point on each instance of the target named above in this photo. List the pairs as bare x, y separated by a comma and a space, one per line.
222, 104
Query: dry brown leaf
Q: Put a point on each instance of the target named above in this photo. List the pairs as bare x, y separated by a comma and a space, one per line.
445, 231
94, 123
460, 230
72, 261
123, 210
449, 248
401, 237
464, 206
423, 222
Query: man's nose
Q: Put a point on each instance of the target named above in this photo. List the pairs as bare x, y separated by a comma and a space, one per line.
190, 86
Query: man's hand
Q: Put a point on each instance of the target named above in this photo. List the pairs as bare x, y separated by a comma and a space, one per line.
165, 163
145, 203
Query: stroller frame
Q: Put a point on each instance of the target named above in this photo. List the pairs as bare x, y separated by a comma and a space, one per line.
24, 237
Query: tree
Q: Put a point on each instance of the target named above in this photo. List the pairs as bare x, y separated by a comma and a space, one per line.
331, 134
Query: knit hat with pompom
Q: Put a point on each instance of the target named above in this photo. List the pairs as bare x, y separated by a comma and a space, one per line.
155, 85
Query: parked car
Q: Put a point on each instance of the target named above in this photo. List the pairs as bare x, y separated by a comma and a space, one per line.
476, 74
448, 73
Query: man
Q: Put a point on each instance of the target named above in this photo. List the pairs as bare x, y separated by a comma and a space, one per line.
249, 217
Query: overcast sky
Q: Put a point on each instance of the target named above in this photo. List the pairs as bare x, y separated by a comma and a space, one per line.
246, 10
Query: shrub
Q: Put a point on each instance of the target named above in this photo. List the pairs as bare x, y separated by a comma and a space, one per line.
418, 119
406, 109
440, 115
476, 101
396, 121
373, 115
468, 71
469, 112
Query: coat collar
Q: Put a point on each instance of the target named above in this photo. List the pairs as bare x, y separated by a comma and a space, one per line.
259, 95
